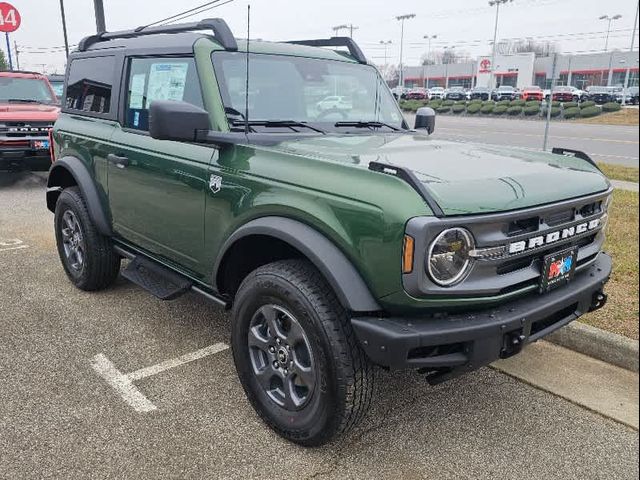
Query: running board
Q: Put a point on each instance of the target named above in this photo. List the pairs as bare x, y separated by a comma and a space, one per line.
159, 281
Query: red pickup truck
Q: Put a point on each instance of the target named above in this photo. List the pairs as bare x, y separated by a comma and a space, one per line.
28, 110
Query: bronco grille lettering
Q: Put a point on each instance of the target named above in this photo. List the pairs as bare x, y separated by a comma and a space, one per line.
542, 240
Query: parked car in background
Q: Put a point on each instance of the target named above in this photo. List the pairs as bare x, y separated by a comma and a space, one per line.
334, 103
57, 84
28, 110
578, 95
504, 92
456, 93
480, 93
532, 93
398, 92
436, 92
417, 94
562, 94
601, 95
632, 96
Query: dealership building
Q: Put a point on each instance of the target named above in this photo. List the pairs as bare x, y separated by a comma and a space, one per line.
525, 69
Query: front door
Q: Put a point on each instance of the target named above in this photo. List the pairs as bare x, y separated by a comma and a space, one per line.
157, 188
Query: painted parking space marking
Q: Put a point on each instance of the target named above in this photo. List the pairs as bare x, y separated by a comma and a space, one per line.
12, 244
123, 382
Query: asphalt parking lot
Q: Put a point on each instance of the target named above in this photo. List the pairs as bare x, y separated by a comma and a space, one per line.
61, 418
613, 144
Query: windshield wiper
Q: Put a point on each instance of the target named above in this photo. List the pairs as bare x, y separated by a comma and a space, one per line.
292, 124
23, 100
362, 124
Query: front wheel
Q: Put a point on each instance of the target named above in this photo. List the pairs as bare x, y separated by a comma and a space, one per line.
86, 255
296, 354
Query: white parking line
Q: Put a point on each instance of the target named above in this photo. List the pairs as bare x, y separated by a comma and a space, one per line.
12, 244
123, 383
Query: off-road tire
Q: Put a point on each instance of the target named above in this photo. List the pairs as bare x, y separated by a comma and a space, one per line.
345, 375
101, 264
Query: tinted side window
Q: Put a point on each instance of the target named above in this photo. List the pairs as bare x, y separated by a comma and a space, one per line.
159, 79
90, 83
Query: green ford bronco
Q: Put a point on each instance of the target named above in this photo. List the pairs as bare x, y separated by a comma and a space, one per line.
281, 181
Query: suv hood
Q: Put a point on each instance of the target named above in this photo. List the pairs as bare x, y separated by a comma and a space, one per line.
35, 112
463, 178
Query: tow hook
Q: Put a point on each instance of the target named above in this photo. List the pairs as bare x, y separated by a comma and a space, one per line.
512, 343
598, 301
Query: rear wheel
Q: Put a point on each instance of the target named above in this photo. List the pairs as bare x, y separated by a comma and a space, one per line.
296, 355
87, 256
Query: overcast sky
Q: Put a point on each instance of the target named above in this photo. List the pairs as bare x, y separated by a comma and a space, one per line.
465, 24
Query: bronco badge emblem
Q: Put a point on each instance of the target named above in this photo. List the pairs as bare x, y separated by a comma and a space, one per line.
215, 183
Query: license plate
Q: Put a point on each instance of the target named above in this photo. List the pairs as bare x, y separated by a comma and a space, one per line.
40, 144
558, 269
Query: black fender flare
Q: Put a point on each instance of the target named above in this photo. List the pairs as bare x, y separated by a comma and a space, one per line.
343, 277
88, 188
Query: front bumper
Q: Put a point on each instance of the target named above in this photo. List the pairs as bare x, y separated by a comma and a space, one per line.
34, 160
448, 345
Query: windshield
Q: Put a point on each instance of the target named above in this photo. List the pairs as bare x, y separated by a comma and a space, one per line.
305, 90
506, 89
24, 90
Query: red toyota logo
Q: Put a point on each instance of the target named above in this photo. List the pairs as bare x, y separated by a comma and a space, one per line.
485, 64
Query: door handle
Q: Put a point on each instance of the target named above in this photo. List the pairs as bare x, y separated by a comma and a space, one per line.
118, 161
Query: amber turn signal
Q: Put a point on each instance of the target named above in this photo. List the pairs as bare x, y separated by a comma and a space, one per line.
407, 254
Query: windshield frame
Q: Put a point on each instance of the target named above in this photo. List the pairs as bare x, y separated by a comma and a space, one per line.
328, 126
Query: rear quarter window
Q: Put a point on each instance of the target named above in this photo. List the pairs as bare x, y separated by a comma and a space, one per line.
90, 84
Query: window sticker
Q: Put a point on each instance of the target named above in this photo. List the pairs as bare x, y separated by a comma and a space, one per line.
136, 91
167, 81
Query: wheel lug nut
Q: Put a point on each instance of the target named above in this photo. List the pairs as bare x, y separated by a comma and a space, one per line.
276, 365
286, 372
272, 349
278, 341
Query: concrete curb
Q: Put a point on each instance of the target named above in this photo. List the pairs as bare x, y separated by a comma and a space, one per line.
600, 344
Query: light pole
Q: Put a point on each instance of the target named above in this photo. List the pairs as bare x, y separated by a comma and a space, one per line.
429, 38
401, 19
448, 52
351, 27
386, 46
610, 21
64, 28
99, 9
633, 44
495, 3
336, 30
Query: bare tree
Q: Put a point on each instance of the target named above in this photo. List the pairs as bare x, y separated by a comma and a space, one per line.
541, 49
390, 73
445, 56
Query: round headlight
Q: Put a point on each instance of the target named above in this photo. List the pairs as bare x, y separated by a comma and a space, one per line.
448, 260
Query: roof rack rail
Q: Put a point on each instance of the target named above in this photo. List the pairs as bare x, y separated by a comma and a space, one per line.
352, 46
574, 153
221, 32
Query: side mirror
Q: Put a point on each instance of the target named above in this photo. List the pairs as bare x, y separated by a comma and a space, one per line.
178, 121
426, 120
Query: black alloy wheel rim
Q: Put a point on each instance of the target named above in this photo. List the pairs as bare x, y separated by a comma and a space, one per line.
73, 241
281, 357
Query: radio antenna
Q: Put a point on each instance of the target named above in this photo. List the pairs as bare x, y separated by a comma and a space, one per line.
246, 99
